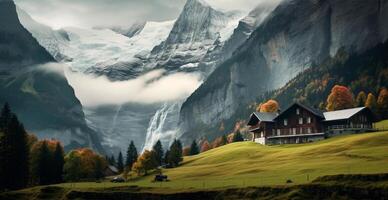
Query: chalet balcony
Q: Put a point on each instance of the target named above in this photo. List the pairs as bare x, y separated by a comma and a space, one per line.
253, 128
350, 127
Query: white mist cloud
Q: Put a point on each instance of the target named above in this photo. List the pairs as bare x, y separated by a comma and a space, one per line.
153, 87
51, 67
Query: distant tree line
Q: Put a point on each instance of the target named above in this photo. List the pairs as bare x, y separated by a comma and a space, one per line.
26, 161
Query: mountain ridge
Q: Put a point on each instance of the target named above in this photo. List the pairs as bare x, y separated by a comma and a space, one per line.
295, 36
36, 88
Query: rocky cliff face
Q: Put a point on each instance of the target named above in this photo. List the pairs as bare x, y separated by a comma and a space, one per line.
240, 34
198, 30
35, 86
297, 34
53, 41
131, 31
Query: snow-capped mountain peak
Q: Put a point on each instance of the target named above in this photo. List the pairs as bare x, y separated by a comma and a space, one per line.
198, 30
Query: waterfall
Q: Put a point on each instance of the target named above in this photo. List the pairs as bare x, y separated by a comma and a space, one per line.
115, 119
163, 125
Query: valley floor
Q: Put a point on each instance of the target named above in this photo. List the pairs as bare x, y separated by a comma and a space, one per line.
247, 164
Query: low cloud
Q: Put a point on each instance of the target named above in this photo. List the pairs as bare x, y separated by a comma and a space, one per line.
52, 67
153, 87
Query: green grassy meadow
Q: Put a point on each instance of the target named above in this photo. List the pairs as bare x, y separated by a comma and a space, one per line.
249, 164
382, 125
239, 169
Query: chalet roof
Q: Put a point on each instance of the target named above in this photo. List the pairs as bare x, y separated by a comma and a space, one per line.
265, 116
113, 168
342, 114
310, 109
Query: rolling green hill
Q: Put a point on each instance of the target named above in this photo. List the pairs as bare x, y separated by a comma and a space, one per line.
251, 164
247, 170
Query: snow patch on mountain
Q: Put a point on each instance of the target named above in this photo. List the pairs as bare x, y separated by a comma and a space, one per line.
100, 48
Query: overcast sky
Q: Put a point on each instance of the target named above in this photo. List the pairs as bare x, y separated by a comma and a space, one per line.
90, 13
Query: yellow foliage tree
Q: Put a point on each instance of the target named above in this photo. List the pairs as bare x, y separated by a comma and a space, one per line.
361, 99
382, 103
144, 163
371, 102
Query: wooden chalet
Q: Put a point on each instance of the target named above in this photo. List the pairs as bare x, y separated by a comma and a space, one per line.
300, 124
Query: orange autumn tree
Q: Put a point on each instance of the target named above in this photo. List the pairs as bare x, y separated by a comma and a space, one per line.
186, 151
340, 98
269, 106
205, 146
220, 141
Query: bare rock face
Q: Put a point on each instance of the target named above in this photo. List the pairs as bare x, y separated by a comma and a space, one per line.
36, 88
297, 34
198, 30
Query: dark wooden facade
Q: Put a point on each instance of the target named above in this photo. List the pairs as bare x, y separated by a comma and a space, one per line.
299, 124
360, 122
297, 120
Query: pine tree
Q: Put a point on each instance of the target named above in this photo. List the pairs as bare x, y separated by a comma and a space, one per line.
14, 152
194, 150
167, 157
44, 165
158, 152
98, 170
112, 160
131, 155
237, 137
120, 163
175, 154
5, 151
58, 161
5, 116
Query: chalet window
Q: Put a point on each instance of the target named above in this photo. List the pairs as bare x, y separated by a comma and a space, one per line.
309, 120
285, 122
300, 120
294, 131
301, 130
297, 111
309, 130
278, 132
273, 131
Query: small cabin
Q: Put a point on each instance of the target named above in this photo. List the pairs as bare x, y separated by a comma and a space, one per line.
300, 124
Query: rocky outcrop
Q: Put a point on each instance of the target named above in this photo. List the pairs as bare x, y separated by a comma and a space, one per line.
35, 87
296, 35
240, 34
198, 30
133, 30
